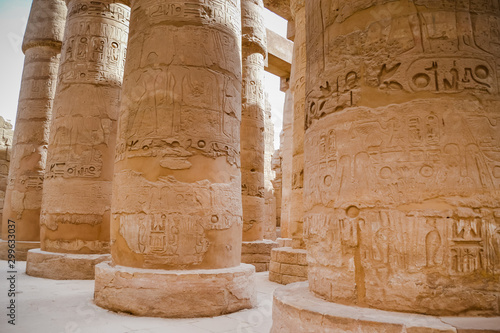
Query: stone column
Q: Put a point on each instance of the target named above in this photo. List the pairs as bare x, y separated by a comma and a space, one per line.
269, 175
402, 167
6, 134
289, 264
255, 250
277, 184
176, 214
298, 89
75, 215
286, 164
23, 198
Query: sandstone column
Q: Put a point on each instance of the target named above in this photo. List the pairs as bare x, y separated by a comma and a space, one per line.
269, 175
289, 264
176, 213
255, 250
402, 166
42, 48
75, 214
286, 164
6, 134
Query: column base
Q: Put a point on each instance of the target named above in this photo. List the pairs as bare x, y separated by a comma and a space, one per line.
174, 294
258, 254
296, 310
288, 265
284, 242
63, 266
22, 248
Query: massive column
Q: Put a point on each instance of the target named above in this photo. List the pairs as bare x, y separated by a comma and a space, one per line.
6, 134
269, 175
23, 198
286, 164
402, 166
255, 250
289, 264
176, 213
75, 214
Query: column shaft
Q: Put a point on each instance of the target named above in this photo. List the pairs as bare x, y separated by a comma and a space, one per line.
42, 48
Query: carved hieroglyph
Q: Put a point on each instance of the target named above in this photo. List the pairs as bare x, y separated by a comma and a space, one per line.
6, 134
402, 147
176, 193
76, 201
298, 88
254, 48
42, 48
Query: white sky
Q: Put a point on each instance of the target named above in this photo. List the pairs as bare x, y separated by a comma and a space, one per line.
13, 18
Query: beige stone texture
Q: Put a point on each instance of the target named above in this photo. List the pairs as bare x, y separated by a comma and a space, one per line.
63, 266
277, 184
298, 89
279, 7
269, 176
279, 54
286, 164
288, 265
42, 48
296, 310
173, 294
6, 134
75, 214
177, 219
253, 119
21, 248
258, 253
284, 242
177, 183
402, 163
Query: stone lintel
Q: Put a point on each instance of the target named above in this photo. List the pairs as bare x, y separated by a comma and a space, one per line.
176, 293
279, 54
280, 8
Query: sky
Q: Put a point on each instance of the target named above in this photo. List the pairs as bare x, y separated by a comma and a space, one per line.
13, 19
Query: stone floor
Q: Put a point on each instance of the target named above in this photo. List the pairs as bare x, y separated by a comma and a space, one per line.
66, 307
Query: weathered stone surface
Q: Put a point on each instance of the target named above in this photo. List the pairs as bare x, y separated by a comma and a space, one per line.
402, 163
6, 134
42, 48
21, 248
279, 54
277, 184
298, 89
253, 119
63, 266
75, 214
284, 242
258, 253
177, 178
269, 176
288, 265
177, 222
279, 7
286, 164
178, 294
296, 310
